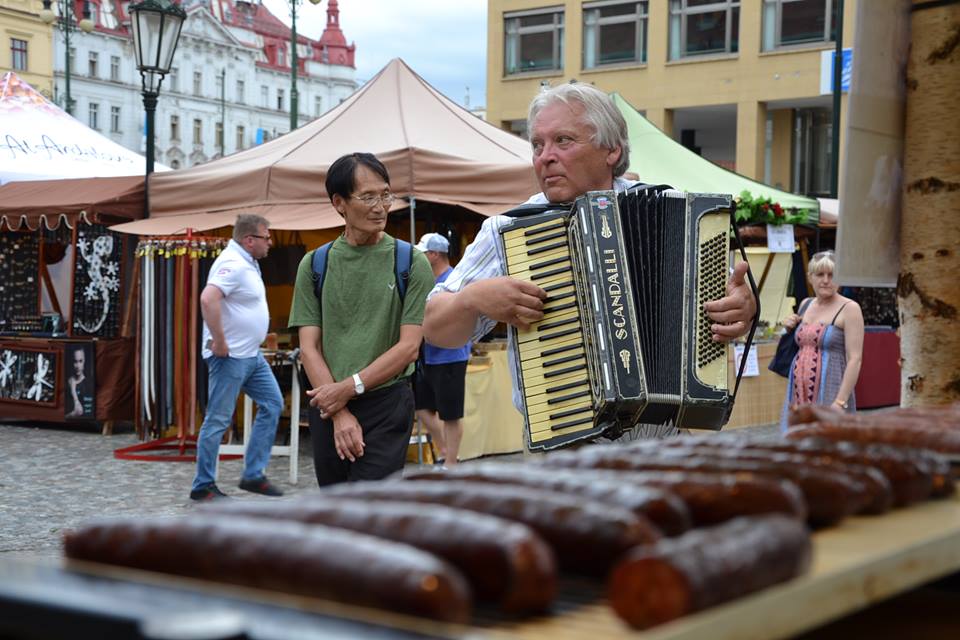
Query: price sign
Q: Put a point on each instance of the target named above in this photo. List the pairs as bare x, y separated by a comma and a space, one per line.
780, 238
753, 368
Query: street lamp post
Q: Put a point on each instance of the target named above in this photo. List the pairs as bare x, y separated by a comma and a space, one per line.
67, 23
156, 29
294, 97
294, 94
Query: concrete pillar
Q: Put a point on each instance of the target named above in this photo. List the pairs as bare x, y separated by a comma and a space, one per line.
751, 124
781, 149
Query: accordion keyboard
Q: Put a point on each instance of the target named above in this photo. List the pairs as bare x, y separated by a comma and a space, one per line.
554, 376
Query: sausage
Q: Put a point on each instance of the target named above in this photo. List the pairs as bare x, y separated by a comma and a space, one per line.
910, 480
586, 537
926, 418
709, 497
878, 491
705, 567
830, 496
716, 497
937, 465
666, 511
310, 560
904, 435
504, 562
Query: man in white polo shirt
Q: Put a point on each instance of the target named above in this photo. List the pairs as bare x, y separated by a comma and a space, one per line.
235, 323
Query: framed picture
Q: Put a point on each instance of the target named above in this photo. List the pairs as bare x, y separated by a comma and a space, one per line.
79, 383
29, 375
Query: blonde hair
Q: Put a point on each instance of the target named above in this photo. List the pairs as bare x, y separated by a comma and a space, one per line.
822, 261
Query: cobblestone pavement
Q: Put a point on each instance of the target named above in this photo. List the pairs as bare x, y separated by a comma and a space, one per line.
54, 477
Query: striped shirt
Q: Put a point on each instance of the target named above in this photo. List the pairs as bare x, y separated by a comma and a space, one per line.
483, 259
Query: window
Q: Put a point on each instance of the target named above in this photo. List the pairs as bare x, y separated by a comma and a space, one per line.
175, 128
93, 115
73, 58
174, 79
218, 135
18, 54
533, 42
279, 99
197, 132
241, 134
115, 68
317, 105
811, 151
703, 27
241, 90
197, 83
108, 17
92, 59
614, 32
115, 119
789, 22
220, 88
264, 96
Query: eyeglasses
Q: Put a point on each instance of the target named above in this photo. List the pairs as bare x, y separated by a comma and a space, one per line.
371, 200
823, 254
253, 235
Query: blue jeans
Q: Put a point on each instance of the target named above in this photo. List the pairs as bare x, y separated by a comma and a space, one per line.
228, 377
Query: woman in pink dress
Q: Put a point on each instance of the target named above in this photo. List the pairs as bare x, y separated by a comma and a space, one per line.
830, 336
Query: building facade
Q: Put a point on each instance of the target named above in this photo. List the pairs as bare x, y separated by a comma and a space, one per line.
737, 81
26, 44
229, 86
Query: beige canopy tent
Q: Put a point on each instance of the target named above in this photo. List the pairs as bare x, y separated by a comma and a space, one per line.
435, 151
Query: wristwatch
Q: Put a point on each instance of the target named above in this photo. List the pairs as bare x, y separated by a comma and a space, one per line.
358, 384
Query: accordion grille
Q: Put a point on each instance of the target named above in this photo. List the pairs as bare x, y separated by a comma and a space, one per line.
712, 266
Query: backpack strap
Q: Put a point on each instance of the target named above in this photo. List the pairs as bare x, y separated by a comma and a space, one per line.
402, 260
319, 266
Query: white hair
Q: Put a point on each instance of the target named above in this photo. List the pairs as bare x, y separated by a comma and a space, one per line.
599, 112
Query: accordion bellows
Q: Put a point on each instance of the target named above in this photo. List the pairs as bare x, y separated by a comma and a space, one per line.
624, 339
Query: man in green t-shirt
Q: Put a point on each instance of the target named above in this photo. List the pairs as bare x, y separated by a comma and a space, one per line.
359, 345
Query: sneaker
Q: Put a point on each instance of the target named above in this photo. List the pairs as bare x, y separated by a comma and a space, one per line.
261, 486
208, 493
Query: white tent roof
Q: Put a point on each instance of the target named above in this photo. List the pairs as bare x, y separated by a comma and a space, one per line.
40, 141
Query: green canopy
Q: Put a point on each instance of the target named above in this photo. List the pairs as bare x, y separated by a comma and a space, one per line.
659, 159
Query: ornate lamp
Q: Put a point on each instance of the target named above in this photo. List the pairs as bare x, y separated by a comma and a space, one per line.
156, 28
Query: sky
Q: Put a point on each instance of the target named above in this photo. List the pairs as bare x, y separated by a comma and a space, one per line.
444, 41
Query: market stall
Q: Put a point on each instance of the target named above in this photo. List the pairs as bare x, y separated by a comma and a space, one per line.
65, 338
449, 168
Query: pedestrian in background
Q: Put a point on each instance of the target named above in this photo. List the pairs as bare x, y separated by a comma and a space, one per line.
235, 323
830, 339
440, 388
359, 338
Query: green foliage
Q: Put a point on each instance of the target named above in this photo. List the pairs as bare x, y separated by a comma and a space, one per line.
762, 210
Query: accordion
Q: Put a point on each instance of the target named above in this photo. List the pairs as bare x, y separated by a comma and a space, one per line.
624, 339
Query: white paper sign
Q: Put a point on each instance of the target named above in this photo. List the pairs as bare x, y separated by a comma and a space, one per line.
780, 238
752, 369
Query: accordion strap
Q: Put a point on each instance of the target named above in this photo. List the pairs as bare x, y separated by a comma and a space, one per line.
756, 297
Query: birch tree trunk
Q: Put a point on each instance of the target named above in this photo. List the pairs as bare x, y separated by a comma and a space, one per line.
928, 288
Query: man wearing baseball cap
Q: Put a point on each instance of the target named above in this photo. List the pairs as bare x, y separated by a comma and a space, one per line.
439, 387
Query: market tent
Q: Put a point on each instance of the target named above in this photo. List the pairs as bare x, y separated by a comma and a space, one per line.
659, 159
30, 203
40, 141
435, 151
